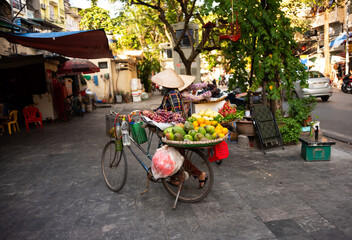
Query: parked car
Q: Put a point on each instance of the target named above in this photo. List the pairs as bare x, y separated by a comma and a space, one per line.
318, 86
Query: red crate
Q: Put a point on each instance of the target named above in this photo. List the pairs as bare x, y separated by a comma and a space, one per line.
221, 151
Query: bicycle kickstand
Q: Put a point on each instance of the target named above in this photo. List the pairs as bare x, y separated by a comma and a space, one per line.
182, 180
149, 178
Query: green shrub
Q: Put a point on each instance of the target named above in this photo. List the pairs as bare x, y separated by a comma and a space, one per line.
290, 128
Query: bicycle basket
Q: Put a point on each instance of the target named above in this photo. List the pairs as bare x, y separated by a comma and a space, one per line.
138, 133
109, 120
221, 151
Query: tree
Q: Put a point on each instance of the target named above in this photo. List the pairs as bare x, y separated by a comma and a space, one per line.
95, 18
173, 11
263, 56
138, 27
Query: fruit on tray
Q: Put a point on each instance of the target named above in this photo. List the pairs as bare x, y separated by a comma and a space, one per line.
163, 116
226, 110
206, 115
191, 133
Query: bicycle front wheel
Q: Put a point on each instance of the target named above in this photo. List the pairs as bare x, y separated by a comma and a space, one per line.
191, 192
114, 167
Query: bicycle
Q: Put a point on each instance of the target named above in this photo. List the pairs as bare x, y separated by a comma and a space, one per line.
73, 106
114, 165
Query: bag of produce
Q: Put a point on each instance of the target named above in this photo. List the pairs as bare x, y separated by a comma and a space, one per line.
166, 162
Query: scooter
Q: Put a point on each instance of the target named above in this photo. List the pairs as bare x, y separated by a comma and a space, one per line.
347, 85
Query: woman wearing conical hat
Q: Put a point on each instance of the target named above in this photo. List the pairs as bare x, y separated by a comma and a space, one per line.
172, 101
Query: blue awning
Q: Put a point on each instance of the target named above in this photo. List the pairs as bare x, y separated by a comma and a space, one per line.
339, 40
79, 44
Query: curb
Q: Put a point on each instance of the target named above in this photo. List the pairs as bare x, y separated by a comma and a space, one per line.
337, 136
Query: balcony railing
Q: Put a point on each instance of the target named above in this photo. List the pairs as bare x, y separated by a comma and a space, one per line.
335, 15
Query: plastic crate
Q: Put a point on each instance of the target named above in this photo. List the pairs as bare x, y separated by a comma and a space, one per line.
138, 133
221, 151
315, 153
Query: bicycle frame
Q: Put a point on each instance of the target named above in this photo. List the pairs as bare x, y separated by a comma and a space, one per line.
146, 152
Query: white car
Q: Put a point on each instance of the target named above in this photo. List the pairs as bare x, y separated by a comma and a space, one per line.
318, 86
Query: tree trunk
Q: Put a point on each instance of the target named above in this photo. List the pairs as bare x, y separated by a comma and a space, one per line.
276, 105
264, 98
327, 70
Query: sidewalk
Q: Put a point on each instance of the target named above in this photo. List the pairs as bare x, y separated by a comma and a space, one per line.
51, 188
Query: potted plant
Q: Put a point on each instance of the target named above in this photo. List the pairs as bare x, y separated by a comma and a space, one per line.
301, 109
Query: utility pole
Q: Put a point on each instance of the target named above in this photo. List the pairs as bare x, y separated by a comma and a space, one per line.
327, 70
347, 6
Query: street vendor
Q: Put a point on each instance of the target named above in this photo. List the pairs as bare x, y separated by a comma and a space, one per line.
171, 81
172, 101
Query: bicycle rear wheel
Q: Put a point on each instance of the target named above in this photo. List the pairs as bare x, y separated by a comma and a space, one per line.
114, 167
190, 191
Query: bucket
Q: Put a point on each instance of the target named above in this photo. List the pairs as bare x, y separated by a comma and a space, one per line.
89, 107
145, 96
134, 84
118, 98
136, 95
139, 84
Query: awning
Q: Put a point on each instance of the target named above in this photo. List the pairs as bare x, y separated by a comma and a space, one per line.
79, 44
339, 40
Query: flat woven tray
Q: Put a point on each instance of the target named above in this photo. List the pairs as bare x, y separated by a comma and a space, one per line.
212, 100
194, 144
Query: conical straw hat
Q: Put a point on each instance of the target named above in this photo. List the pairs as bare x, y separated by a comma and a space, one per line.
168, 78
187, 79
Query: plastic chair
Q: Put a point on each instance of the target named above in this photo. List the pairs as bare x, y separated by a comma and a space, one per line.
12, 121
32, 115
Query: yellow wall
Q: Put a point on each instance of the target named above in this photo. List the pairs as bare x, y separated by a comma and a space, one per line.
59, 10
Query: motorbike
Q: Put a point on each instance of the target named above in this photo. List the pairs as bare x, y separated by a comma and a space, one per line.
347, 85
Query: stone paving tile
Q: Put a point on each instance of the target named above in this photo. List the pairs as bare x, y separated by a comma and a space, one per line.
334, 234
284, 228
313, 223
53, 177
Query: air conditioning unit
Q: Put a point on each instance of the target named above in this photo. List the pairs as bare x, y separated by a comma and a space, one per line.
42, 6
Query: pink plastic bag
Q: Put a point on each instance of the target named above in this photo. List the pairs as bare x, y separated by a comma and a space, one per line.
166, 162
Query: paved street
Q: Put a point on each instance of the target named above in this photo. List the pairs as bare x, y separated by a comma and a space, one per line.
335, 115
51, 188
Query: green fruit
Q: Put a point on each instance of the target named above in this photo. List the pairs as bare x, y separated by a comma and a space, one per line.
208, 136
178, 137
188, 126
169, 136
202, 130
198, 137
210, 129
192, 133
168, 130
178, 129
188, 137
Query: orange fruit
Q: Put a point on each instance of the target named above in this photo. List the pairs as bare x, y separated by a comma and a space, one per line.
195, 124
196, 128
207, 122
224, 130
202, 125
221, 135
201, 120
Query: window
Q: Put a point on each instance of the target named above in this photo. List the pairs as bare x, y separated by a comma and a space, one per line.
103, 65
185, 42
52, 12
315, 75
